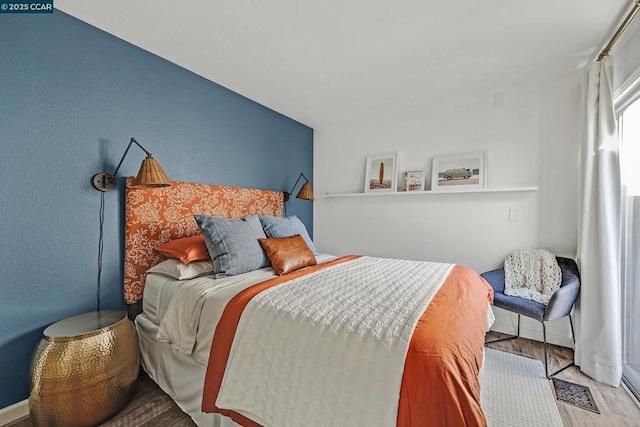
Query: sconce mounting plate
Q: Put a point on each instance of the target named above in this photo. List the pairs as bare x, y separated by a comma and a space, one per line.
104, 181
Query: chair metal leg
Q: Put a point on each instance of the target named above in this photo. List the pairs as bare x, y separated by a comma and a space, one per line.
544, 337
509, 337
573, 335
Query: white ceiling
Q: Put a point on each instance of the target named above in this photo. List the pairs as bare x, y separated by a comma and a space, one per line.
324, 61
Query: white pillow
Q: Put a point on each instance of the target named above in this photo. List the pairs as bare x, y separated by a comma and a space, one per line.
179, 271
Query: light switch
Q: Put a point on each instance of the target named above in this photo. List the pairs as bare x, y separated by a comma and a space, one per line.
514, 214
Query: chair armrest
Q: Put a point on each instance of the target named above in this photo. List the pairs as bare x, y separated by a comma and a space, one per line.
562, 301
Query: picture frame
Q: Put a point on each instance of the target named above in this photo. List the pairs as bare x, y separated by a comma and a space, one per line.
381, 173
457, 172
414, 181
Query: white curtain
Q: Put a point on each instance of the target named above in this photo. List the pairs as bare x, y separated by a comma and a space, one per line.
598, 317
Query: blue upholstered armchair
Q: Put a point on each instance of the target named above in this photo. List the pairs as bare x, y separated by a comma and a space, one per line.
559, 306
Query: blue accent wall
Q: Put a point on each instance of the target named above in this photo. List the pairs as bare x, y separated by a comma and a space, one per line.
71, 97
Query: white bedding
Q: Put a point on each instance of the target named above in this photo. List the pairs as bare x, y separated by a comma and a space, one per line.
182, 305
159, 290
178, 361
366, 309
179, 374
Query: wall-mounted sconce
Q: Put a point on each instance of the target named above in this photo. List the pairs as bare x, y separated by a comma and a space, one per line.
305, 193
150, 174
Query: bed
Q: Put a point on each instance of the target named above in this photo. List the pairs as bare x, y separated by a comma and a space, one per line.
352, 340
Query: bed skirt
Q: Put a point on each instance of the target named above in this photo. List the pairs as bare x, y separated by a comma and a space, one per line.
176, 374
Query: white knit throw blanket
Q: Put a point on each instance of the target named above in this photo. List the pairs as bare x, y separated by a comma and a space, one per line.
532, 274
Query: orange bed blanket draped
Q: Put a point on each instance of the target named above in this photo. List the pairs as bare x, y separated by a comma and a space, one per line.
440, 382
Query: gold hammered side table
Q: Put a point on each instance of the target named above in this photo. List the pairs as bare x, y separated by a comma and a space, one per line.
84, 369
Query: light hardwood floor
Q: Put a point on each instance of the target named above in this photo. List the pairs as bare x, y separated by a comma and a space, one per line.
615, 405
151, 407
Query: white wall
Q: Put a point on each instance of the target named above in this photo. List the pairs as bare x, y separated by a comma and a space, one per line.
532, 139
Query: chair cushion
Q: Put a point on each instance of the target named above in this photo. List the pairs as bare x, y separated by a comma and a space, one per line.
518, 305
526, 307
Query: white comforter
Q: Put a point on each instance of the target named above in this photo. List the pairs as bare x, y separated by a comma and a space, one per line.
328, 348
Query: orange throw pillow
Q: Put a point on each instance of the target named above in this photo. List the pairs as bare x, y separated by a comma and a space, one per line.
288, 254
187, 249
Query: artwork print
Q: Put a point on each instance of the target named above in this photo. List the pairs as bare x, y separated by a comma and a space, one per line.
381, 173
463, 171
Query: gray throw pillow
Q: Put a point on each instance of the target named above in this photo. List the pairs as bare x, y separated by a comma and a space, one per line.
233, 244
285, 227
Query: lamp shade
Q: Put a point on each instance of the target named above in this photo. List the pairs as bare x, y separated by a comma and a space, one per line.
151, 175
305, 192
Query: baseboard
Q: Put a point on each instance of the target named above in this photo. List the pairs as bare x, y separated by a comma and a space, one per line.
533, 334
14, 412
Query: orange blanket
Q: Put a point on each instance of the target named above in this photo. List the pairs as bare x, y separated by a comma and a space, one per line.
440, 382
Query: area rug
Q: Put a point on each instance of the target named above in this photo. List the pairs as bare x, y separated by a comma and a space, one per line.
515, 392
575, 394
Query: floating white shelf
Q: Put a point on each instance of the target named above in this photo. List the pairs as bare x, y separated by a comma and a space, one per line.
434, 192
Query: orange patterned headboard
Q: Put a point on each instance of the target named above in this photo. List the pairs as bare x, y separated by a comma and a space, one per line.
155, 216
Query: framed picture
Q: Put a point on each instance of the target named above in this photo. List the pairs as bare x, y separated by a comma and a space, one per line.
414, 181
381, 173
459, 171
